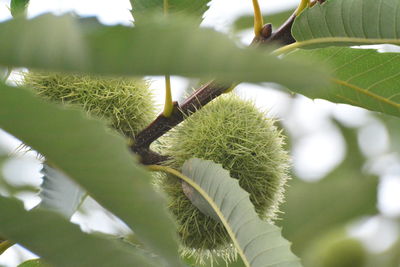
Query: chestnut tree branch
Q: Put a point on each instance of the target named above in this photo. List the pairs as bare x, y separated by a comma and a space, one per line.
203, 95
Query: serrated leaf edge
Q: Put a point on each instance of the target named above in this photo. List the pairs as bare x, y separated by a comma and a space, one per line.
211, 202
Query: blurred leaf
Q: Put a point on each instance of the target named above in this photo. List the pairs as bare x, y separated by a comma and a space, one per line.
165, 46
276, 19
141, 9
61, 243
393, 126
311, 209
19, 7
33, 263
59, 193
348, 22
257, 242
361, 77
89, 153
336, 249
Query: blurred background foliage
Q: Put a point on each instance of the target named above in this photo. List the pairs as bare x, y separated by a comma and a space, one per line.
347, 215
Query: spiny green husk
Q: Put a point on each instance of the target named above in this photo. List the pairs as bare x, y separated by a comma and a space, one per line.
234, 133
126, 103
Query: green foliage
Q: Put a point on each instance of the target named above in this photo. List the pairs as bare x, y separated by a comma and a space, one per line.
361, 77
336, 249
143, 8
64, 43
305, 213
126, 103
19, 7
237, 135
348, 22
87, 152
40, 231
33, 263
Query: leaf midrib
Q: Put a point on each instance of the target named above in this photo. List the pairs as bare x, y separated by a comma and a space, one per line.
366, 92
334, 41
211, 202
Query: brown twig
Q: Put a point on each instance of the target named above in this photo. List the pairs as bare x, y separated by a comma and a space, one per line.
162, 124
203, 95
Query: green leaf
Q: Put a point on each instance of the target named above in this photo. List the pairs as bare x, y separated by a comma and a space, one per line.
97, 159
259, 243
33, 263
19, 7
59, 193
360, 77
312, 209
141, 9
276, 19
348, 22
61, 243
165, 46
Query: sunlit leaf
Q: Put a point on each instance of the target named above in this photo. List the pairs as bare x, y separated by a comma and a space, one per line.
348, 22
360, 77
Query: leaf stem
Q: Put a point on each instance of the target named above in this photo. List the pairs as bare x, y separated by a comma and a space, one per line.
5, 245
166, 7
303, 4
168, 106
258, 18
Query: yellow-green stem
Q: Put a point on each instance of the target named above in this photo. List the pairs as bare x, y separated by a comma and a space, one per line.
258, 18
166, 6
168, 106
5, 245
303, 4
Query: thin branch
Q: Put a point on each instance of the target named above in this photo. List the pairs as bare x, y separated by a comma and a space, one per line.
203, 95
